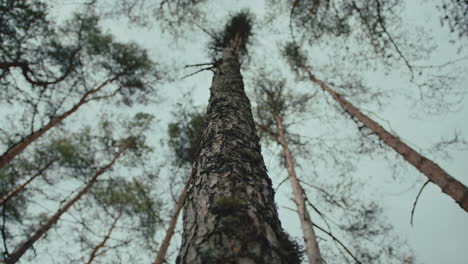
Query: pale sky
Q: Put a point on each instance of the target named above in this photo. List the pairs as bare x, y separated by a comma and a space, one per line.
439, 234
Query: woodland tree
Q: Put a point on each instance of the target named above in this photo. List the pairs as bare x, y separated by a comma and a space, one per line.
133, 144
184, 139
93, 66
230, 214
278, 109
449, 185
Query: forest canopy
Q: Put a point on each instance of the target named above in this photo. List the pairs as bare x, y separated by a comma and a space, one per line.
198, 131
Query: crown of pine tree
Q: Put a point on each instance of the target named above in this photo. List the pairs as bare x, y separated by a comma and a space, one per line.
239, 25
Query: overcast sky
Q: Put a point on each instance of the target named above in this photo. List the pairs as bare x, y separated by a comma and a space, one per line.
439, 234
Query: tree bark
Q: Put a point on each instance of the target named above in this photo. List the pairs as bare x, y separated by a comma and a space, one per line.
310, 239
16, 149
230, 214
449, 185
172, 224
12, 193
26, 244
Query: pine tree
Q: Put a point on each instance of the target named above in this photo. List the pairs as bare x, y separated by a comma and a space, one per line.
278, 111
274, 104
230, 214
449, 185
132, 144
28, 243
94, 67
184, 139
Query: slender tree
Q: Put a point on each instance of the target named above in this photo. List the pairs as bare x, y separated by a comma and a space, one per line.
98, 68
98, 249
277, 110
184, 139
28, 243
21, 187
89, 165
137, 208
230, 214
449, 185
273, 105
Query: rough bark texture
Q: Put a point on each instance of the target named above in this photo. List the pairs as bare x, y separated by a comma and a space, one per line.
310, 239
26, 244
172, 225
230, 214
449, 185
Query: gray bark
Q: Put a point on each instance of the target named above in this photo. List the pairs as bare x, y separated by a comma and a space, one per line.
230, 215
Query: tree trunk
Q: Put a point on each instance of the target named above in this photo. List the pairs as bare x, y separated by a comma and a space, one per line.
16, 149
102, 244
12, 193
307, 225
230, 214
172, 224
26, 244
449, 185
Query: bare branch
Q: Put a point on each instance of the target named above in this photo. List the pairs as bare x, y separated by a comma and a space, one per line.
416, 200
339, 242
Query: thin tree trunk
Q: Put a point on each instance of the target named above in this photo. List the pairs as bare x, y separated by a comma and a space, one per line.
26, 244
94, 253
13, 192
16, 149
230, 214
172, 224
310, 239
449, 185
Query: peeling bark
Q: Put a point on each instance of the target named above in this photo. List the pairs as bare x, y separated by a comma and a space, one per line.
230, 214
449, 185
310, 239
28, 243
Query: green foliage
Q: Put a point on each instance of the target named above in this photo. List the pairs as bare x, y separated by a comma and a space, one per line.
133, 199
185, 136
291, 248
239, 26
320, 19
12, 209
274, 100
68, 151
75, 53
65, 149
365, 21
26, 21
294, 56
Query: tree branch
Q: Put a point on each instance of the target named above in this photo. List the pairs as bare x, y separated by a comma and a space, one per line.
416, 200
